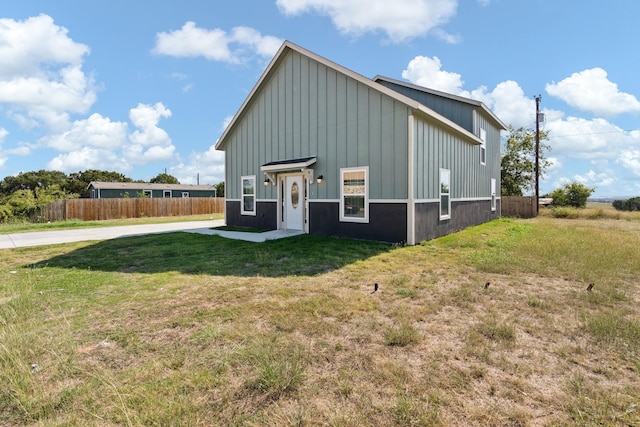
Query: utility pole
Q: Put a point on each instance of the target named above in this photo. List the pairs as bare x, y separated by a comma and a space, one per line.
537, 167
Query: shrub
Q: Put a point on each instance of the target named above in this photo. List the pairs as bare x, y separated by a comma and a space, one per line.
632, 204
564, 212
572, 194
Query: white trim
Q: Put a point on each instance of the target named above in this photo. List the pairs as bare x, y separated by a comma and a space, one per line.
483, 146
324, 200
471, 199
255, 196
494, 196
411, 206
281, 179
448, 215
399, 201
417, 201
344, 218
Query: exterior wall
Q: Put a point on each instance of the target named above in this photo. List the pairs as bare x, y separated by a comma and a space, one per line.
463, 214
387, 222
266, 215
456, 111
308, 109
133, 193
435, 148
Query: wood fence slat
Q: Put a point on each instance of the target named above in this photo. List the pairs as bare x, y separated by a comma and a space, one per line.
104, 209
522, 207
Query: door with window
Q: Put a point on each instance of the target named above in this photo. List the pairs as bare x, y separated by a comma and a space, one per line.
293, 201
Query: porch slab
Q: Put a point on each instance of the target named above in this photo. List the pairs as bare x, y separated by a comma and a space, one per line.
249, 237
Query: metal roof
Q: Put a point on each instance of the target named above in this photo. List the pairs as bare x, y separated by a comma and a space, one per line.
102, 185
289, 46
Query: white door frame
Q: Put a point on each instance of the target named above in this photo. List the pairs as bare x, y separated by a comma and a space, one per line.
304, 200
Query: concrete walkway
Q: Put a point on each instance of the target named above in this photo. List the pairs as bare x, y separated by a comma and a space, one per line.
38, 238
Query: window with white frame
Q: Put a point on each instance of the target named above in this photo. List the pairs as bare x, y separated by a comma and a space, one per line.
185, 194
248, 195
445, 194
493, 194
354, 194
147, 193
483, 147
166, 194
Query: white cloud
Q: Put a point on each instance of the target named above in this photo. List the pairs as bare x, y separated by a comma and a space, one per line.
587, 139
427, 72
595, 179
96, 131
207, 165
146, 118
631, 161
217, 45
88, 158
591, 90
41, 77
403, 20
507, 99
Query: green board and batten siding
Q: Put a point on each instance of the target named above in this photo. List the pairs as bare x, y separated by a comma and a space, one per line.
305, 108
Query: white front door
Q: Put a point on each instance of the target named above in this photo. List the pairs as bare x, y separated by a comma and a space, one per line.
293, 199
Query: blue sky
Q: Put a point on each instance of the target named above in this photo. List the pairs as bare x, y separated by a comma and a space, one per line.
141, 87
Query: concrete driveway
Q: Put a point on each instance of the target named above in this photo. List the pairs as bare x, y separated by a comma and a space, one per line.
37, 238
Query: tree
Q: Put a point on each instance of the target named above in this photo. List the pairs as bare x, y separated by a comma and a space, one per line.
164, 178
632, 204
32, 180
79, 181
219, 189
572, 194
518, 161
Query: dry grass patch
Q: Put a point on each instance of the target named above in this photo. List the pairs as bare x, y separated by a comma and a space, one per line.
200, 330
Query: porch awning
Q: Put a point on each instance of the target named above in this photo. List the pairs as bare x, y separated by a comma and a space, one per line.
289, 165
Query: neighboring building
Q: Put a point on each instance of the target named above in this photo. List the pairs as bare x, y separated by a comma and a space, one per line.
340, 154
114, 190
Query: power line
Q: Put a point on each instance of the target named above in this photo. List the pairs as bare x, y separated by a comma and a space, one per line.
591, 133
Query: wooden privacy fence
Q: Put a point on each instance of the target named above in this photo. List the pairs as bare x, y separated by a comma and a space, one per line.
101, 209
523, 207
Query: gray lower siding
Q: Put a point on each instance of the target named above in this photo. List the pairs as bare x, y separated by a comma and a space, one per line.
463, 214
387, 222
266, 216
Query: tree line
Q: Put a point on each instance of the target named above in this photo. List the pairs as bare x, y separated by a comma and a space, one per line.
21, 195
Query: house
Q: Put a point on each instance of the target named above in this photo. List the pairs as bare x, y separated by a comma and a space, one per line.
111, 190
319, 148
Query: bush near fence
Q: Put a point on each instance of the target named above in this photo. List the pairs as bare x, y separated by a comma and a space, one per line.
521, 207
104, 209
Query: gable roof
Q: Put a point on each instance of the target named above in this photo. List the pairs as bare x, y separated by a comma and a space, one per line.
441, 94
104, 185
288, 46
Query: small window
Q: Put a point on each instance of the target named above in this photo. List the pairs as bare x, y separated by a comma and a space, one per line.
147, 193
483, 147
185, 194
445, 194
167, 194
354, 202
248, 195
493, 194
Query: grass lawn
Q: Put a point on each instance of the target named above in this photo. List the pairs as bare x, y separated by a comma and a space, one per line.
489, 326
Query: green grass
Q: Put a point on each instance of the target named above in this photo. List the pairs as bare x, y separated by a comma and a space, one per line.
185, 329
22, 227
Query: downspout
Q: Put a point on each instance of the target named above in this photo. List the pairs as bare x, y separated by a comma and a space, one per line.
411, 204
